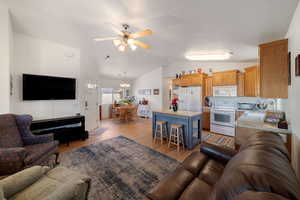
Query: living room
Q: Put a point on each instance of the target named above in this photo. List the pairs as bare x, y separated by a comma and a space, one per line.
149, 99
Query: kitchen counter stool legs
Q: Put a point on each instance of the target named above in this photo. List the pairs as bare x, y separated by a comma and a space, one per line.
161, 131
176, 136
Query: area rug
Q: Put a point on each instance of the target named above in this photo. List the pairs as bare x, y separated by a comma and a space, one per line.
219, 140
98, 131
120, 168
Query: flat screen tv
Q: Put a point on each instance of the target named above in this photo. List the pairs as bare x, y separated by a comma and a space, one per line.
36, 87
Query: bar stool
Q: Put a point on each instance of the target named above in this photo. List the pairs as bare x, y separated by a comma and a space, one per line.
176, 136
161, 131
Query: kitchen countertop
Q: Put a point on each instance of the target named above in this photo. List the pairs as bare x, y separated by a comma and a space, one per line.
178, 113
255, 120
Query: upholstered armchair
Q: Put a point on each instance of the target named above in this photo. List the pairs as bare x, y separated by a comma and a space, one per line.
43, 183
19, 148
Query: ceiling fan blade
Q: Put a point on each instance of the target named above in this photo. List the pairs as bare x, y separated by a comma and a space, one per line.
140, 44
141, 34
107, 38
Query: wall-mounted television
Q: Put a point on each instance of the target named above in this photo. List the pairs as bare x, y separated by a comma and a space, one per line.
36, 87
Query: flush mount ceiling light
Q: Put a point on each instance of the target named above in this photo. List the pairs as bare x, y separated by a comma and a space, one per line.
208, 55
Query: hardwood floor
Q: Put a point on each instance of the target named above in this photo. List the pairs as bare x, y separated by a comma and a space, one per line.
139, 130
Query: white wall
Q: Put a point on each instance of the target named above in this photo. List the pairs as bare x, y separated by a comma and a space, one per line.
293, 35
151, 80
42, 57
5, 59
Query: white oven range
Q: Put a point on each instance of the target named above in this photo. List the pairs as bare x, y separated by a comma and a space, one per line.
222, 121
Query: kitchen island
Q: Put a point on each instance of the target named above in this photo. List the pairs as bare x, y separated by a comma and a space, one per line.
191, 122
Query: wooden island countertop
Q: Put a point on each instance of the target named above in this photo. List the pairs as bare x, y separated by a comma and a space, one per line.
178, 113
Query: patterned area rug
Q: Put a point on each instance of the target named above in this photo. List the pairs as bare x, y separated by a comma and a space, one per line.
120, 168
217, 139
98, 131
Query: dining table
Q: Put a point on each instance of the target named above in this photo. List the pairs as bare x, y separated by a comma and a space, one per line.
126, 112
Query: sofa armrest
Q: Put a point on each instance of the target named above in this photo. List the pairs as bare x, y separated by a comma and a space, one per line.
222, 154
21, 180
37, 139
11, 159
75, 189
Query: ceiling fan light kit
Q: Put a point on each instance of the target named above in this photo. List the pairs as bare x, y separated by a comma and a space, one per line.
208, 55
117, 42
127, 40
122, 48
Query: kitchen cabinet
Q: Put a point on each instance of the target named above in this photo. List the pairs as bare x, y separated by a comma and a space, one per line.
274, 71
217, 79
252, 81
208, 86
206, 119
189, 80
241, 84
225, 78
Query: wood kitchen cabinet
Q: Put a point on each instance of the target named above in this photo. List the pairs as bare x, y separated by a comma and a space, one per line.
241, 85
208, 86
225, 78
206, 119
190, 80
274, 70
252, 81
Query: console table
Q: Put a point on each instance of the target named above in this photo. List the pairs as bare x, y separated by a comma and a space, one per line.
65, 129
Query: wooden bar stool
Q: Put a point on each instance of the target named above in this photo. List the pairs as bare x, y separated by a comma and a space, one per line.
176, 136
161, 131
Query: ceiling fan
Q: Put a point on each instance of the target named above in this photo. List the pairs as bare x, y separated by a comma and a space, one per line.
126, 39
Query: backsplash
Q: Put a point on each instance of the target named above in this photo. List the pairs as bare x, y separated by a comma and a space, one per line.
273, 104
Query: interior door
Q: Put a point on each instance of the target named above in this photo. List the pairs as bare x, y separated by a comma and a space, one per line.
91, 108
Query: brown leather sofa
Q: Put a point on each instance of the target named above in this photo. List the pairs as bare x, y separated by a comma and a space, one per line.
260, 170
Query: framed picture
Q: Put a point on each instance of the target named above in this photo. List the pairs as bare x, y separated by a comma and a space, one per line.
147, 91
155, 91
297, 64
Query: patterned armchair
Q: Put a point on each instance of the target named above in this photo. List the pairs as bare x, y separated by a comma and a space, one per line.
19, 148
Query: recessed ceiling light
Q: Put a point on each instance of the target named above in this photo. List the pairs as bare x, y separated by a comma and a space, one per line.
208, 55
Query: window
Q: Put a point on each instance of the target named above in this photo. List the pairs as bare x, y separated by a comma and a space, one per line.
111, 95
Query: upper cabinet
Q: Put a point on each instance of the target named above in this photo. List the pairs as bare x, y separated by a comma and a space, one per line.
208, 86
189, 80
252, 82
225, 78
274, 70
241, 84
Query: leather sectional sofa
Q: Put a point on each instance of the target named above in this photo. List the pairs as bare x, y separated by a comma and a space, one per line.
261, 170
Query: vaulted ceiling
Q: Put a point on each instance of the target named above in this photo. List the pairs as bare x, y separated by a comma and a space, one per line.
178, 25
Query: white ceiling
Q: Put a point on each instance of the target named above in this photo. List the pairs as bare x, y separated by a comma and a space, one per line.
179, 26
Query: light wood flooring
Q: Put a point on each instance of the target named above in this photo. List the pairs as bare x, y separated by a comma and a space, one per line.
139, 130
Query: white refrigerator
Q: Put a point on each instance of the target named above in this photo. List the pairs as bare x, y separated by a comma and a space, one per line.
190, 98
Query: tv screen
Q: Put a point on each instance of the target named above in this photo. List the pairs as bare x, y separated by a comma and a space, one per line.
37, 87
